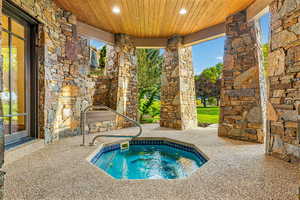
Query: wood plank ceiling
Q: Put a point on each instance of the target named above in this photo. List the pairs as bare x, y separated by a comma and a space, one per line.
153, 18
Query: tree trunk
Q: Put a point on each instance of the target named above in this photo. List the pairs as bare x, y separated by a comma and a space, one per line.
141, 117
204, 102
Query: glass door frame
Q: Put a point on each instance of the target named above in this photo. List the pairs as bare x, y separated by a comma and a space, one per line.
31, 72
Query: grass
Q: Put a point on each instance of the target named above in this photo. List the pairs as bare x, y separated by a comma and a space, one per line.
153, 115
208, 115
151, 120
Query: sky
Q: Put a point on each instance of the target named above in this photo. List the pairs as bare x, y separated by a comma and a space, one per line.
96, 43
209, 53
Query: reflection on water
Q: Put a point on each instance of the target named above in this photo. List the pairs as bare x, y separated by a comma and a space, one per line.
149, 162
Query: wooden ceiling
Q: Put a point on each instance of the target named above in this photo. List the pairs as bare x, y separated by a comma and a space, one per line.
153, 18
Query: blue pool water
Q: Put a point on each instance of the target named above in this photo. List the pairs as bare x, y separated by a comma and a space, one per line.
149, 162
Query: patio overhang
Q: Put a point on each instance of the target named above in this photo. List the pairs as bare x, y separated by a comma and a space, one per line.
160, 19
107, 37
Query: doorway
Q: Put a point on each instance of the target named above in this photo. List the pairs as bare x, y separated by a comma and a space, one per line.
18, 75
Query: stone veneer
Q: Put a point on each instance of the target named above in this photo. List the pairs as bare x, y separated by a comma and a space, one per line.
65, 87
284, 80
178, 98
102, 90
121, 67
63, 59
117, 89
101, 97
63, 67
241, 115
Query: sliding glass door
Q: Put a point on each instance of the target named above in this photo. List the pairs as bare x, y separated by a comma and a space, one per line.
16, 71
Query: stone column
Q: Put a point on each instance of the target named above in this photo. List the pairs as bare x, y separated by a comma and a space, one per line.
284, 80
178, 99
122, 69
241, 105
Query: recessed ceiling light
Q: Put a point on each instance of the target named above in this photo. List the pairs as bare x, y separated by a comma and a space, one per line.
182, 11
116, 10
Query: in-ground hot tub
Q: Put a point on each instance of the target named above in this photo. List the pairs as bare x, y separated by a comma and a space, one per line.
149, 158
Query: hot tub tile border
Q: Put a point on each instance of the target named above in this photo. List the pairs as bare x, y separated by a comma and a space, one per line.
152, 141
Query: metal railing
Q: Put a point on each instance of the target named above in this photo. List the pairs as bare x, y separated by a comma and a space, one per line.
100, 107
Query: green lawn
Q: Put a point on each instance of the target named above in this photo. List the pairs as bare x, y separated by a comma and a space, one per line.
208, 115
151, 120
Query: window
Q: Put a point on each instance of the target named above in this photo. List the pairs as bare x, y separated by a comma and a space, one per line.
17, 67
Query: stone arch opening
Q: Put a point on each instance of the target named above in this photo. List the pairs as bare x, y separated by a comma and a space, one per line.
149, 70
208, 64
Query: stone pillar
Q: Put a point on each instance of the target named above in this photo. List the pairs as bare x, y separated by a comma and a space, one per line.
178, 99
122, 69
241, 105
284, 80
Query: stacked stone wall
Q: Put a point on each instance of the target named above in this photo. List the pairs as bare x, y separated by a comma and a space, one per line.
102, 90
63, 57
101, 97
178, 98
64, 88
170, 113
241, 115
284, 80
121, 67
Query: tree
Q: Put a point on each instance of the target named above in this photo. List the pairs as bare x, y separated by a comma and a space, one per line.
202, 88
208, 83
265, 49
149, 70
98, 58
102, 57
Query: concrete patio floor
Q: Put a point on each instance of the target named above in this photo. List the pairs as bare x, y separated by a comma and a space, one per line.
236, 171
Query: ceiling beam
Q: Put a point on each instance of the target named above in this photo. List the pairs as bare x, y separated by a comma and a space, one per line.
150, 42
257, 9
188, 40
95, 33
204, 35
